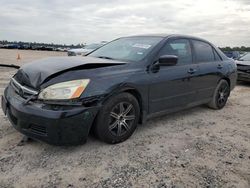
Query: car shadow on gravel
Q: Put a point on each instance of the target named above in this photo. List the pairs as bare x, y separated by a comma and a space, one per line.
172, 118
243, 83
168, 121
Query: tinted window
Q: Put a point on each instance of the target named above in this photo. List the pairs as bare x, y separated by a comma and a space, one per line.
204, 52
180, 48
216, 56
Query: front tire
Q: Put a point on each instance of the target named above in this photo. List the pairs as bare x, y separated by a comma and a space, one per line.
220, 95
118, 118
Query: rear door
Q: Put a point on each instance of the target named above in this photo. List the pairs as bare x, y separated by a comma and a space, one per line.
210, 68
171, 86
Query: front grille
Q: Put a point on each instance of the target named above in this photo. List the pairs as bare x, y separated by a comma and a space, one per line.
38, 129
21, 90
244, 68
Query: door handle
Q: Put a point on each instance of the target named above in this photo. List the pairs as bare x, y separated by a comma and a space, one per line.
192, 71
220, 66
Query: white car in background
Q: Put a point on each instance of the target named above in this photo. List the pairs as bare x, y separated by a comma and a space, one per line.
85, 50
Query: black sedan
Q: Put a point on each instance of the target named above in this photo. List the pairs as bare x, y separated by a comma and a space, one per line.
243, 66
125, 82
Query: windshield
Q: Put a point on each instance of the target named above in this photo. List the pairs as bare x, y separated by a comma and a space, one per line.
93, 46
127, 49
245, 57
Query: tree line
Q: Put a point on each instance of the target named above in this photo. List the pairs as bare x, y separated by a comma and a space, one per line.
240, 49
30, 44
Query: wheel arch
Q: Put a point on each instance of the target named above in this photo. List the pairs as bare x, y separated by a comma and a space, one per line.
138, 96
227, 79
133, 91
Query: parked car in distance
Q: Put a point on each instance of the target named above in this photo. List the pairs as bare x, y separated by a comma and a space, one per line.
232, 54
243, 66
24, 47
11, 46
129, 80
242, 54
60, 49
85, 50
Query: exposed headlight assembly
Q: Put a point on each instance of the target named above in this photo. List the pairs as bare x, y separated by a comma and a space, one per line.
64, 90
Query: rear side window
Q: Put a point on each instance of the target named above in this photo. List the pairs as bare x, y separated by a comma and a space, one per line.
203, 51
180, 48
216, 56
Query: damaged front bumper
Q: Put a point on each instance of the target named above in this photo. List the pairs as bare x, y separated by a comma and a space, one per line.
243, 76
66, 125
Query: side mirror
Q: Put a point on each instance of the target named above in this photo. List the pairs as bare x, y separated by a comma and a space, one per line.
168, 60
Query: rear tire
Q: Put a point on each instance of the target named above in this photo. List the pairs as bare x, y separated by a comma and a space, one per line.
118, 118
220, 95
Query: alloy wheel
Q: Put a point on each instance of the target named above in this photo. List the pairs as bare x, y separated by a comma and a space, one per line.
122, 117
223, 94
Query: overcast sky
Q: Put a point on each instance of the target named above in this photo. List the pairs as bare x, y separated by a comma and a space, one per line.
223, 22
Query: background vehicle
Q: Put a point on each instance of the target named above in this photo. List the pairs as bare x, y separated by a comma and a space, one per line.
111, 90
11, 46
232, 54
243, 66
85, 50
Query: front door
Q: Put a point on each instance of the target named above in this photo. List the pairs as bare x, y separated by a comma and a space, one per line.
171, 86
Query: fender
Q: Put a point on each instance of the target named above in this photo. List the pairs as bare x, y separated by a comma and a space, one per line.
132, 89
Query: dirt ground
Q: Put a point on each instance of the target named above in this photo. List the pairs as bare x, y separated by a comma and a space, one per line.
198, 147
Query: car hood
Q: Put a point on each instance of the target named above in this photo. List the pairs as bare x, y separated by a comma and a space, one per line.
35, 73
243, 63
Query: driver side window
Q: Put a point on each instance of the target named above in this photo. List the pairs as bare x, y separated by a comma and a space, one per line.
180, 48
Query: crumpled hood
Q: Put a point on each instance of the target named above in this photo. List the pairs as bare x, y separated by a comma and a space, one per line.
34, 74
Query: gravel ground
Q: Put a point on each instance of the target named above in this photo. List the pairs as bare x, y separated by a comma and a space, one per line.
198, 147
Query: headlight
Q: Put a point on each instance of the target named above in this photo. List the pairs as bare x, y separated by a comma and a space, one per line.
64, 90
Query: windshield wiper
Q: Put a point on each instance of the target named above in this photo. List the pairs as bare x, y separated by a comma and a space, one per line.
105, 57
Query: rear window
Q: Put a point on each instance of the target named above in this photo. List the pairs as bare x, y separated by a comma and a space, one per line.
216, 56
204, 52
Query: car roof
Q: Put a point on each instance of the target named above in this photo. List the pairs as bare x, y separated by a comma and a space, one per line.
169, 36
